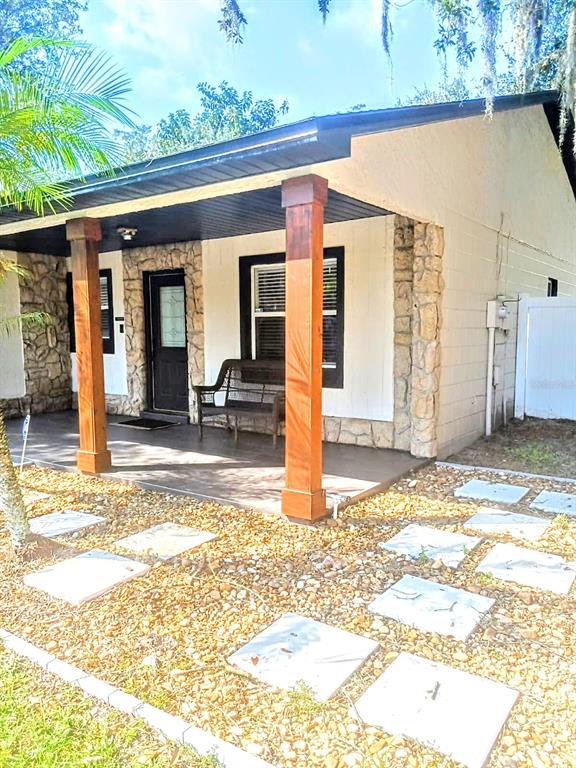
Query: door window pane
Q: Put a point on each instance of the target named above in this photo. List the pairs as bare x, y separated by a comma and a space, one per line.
172, 316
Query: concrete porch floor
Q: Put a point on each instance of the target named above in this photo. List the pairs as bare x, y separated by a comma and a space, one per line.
248, 474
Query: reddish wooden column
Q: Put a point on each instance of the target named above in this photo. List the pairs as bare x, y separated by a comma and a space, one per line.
84, 236
304, 199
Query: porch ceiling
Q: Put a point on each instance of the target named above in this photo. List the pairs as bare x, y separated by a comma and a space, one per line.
244, 213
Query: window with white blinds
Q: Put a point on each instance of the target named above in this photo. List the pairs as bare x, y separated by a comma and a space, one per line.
267, 308
107, 311
105, 305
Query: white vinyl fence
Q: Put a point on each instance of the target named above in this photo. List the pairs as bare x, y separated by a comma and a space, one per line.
546, 358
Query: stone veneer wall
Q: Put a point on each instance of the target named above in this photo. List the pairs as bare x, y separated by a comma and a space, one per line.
46, 347
426, 324
368, 432
418, 284
154, 258
403, 309
418, 250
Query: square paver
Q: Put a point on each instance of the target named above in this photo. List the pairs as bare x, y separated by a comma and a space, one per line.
500, 521
432, 607
501, 493
61, 523
559, 503
296, 649
532, 569
458, 714
166, 540
85, 576
417, 540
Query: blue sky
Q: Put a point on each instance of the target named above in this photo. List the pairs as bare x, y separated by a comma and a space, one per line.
167, 46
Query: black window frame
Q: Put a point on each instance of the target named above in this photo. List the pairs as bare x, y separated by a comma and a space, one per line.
552, 289
108, 345
332, 378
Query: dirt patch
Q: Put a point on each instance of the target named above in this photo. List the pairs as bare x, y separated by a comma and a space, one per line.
166, 636
546, 447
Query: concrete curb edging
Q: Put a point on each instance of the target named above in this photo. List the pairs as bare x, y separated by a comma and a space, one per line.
499, 471
172, 727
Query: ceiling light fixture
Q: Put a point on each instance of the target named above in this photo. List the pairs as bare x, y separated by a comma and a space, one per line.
127, 233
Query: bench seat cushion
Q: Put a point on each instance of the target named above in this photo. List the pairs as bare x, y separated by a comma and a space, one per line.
238, 408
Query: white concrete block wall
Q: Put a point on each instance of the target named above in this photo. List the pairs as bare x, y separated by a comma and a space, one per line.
115, 369
368, 311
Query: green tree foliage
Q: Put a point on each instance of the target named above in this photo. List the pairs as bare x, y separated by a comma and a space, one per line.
546, 69
535, 40
58, 19
224, 114
53, 125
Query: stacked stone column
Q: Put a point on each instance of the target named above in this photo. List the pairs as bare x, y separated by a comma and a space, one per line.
418, 250
46, 344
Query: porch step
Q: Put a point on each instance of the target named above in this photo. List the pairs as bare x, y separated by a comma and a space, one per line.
174, 418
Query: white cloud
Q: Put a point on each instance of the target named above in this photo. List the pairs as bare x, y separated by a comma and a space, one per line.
168, 46
362, 18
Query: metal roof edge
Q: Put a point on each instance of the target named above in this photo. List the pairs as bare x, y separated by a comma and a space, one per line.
307, 131
394, 118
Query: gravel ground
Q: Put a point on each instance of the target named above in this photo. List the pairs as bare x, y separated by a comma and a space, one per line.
543, 446
166, 636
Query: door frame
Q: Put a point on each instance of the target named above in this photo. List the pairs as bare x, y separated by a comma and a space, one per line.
148, 333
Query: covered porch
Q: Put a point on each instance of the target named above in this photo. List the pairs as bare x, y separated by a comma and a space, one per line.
196, 220
246, 474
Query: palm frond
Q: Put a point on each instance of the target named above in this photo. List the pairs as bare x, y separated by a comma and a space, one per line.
13, 324
21, 45
55, 125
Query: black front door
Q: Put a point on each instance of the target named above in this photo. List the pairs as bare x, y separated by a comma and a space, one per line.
167, 351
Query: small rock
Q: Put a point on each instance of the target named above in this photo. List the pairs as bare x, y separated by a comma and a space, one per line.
526, 596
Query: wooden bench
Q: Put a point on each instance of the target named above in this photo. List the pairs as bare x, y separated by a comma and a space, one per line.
244, 389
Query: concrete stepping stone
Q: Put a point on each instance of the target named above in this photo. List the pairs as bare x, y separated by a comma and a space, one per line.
166, 540
61, 523
559, 503
529, 568
85, 576
295, 650
432, 607
500, 521
458, 714
416, 541
501, 493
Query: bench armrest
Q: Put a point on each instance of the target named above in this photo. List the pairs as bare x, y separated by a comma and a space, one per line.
204, 396
202, 388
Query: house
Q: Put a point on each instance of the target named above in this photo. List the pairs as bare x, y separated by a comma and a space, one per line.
415, 218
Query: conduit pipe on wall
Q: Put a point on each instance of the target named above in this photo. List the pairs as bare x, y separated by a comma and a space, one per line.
496, 314
490, 380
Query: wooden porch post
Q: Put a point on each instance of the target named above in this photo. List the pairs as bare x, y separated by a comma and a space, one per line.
84, 236
304, 199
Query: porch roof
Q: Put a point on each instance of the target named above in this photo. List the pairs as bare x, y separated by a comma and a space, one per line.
311, 141
258, 210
